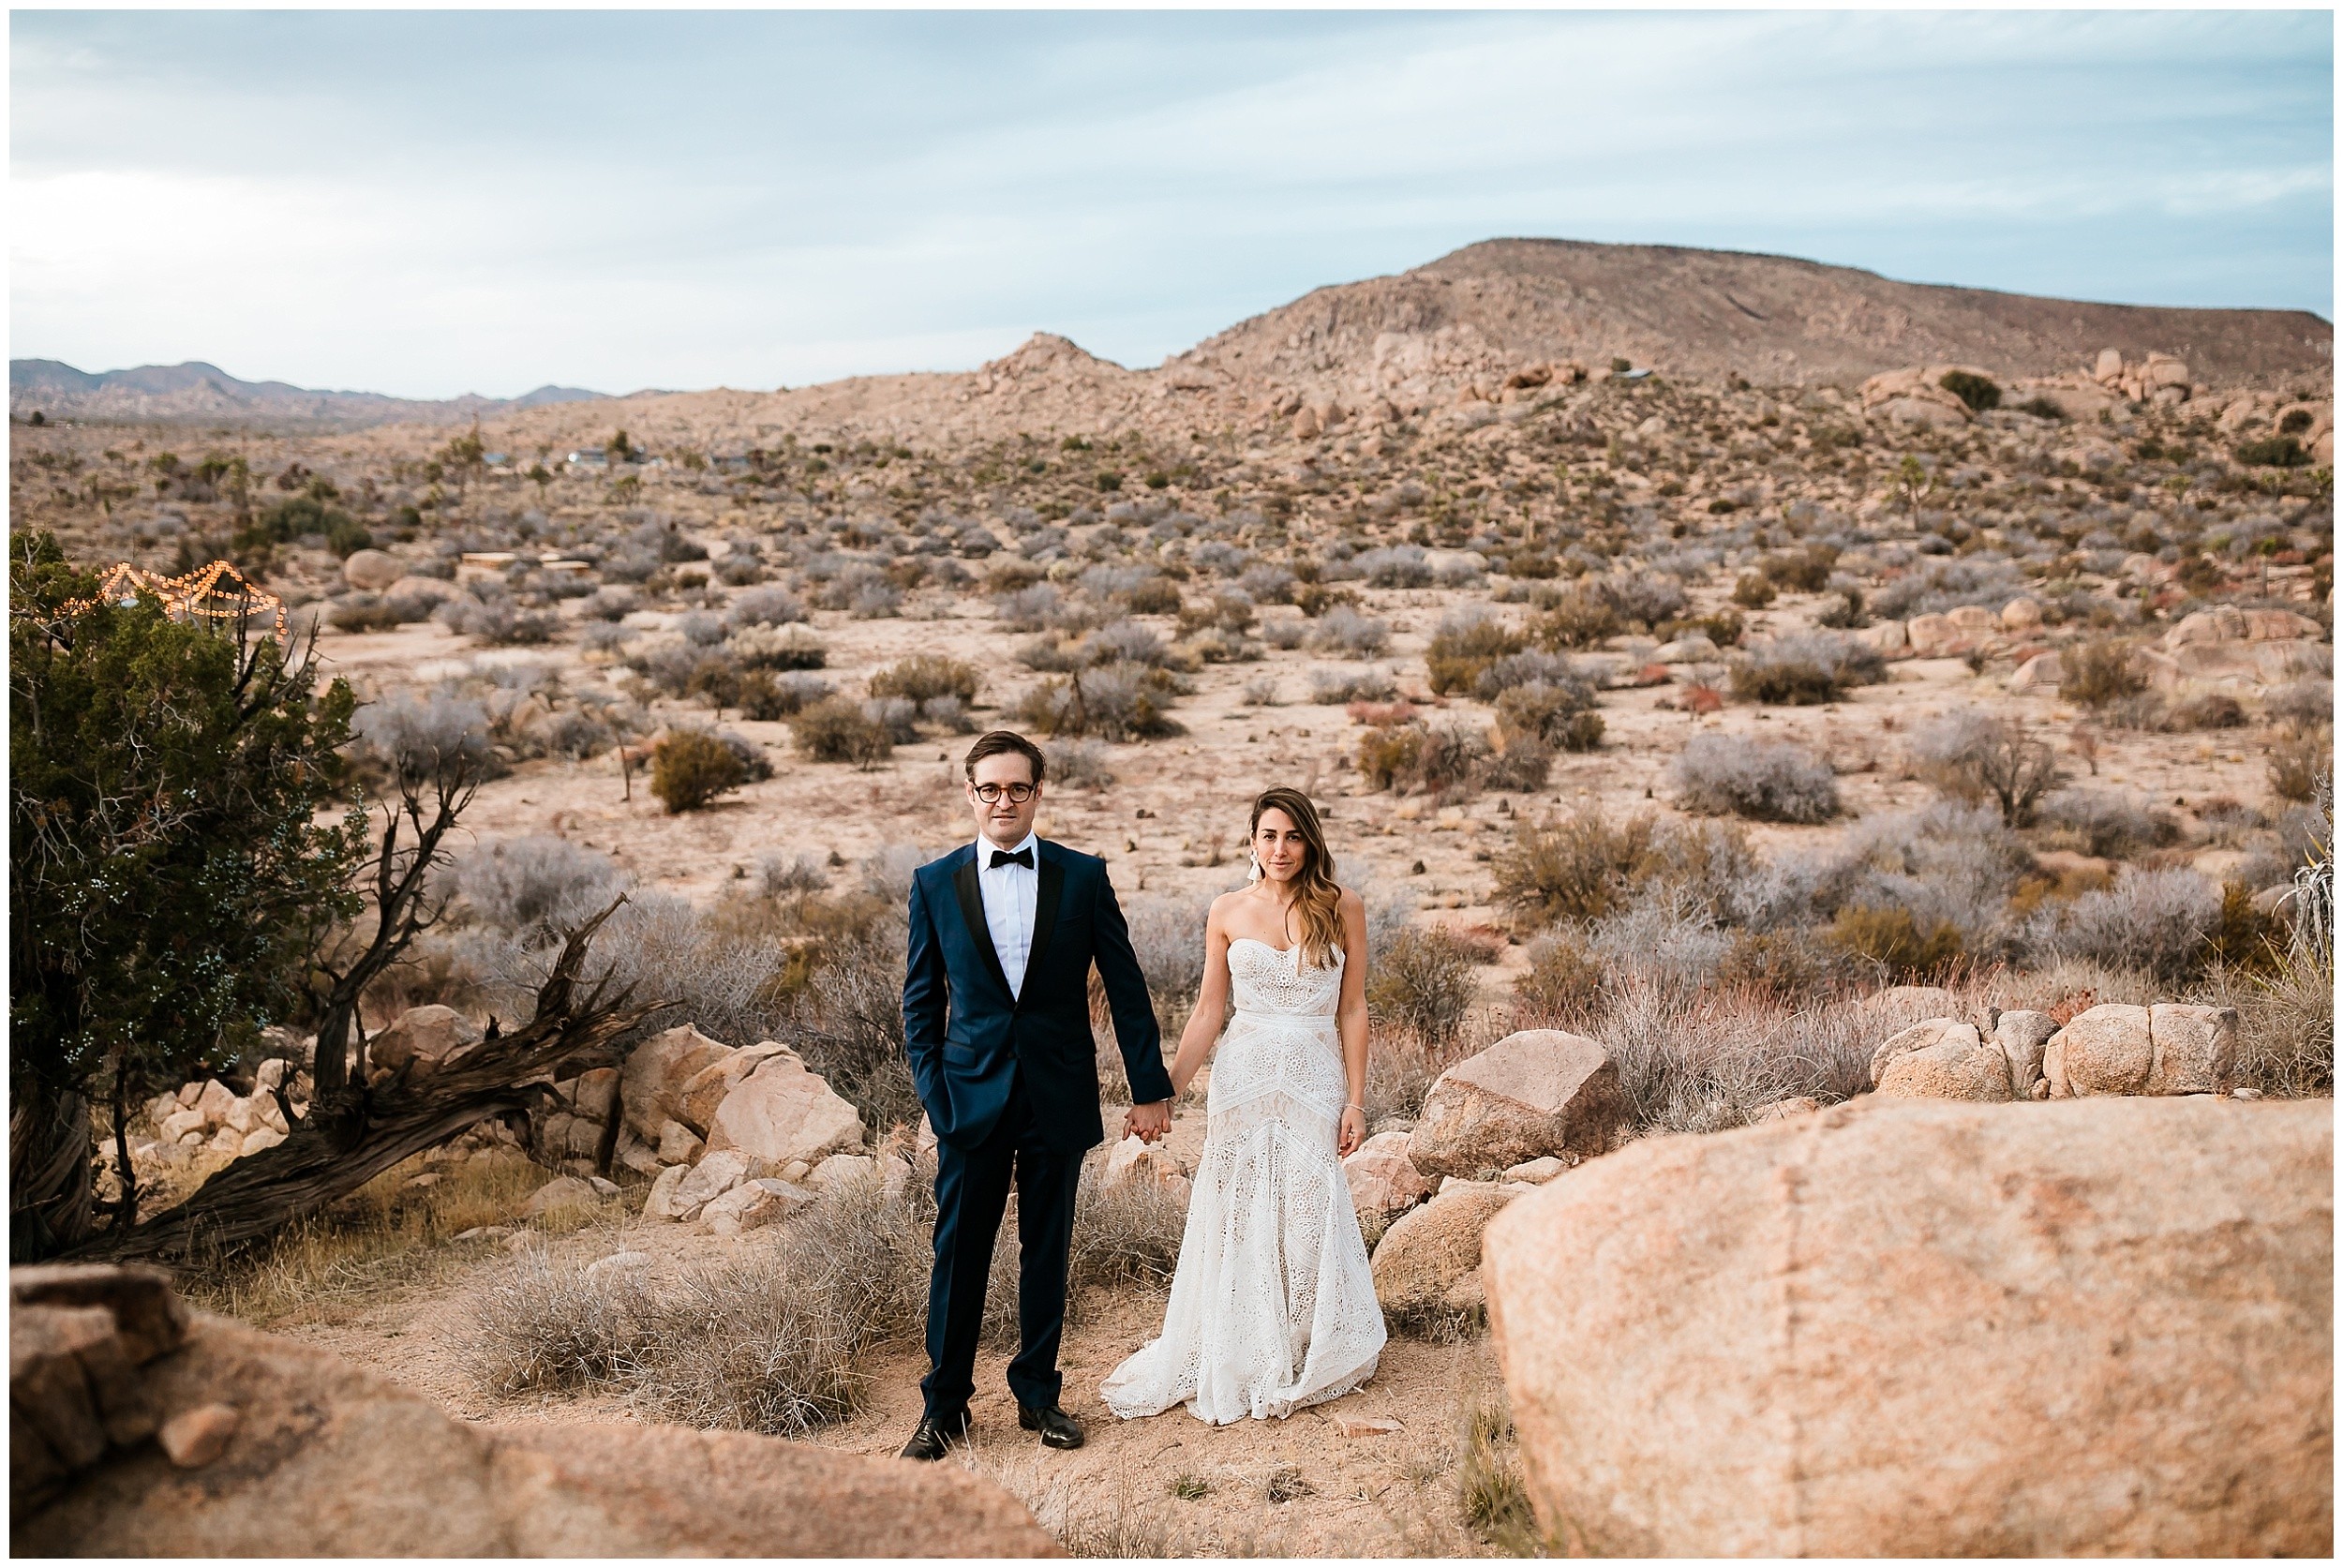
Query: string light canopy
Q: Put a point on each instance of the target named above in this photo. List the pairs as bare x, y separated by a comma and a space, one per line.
214, 594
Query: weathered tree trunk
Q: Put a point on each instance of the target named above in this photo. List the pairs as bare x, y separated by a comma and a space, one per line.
358, 1133
49, 1171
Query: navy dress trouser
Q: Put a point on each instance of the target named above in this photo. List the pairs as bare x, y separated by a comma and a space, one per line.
972, 1188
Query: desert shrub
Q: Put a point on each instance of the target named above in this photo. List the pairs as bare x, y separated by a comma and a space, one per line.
1262, 691
497, 621
1766, 781
1125, 642
1573, 868
1524, 762
1029, 609
1561, 986
2099, 673
766, 696
715, 677
1704, 1059
1974, 755
1754, 591
1975, 390
2205, 711
1155, 596
1268, 585
1844, 611
1168, 937
897, 717
1895, 943
764, 606
837, 730
2310, 701
1218, 645
1520, 669
2302, 762
2154, 921
547, 1325
1560, 715
1423, 983
1285, 632
1112, 702
2274, 451
779, 649
1227, 610
1080, 765
691, 768
928, 675
1805, 668
1332, 686
1783, 965
701, 629
1580, 618
948, 714
536, 887
1410, 756
1467, 642
784, 875
366, 612
2107, 824
1804, 570
1664, 934
1314, 599
1344, 631
1394, 566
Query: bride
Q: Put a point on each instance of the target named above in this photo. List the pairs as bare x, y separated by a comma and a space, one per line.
1271, 1304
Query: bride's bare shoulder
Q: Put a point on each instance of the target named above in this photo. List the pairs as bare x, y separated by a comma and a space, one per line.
1347, 902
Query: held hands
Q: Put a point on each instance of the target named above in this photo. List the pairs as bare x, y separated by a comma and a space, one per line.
1148, 1123
1353, 1132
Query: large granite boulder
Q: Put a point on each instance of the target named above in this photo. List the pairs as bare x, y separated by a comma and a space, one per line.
1918, 1329
651, 1086
1383, 1181
1430, 1259
2172, 1048
420, 1041
783, 1114
1941, 1059
1535, 1093
268, 1447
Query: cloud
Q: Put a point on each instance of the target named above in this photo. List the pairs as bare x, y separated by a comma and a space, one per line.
434, 202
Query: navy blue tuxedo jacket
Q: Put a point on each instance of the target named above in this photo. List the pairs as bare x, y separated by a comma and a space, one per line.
967, 1036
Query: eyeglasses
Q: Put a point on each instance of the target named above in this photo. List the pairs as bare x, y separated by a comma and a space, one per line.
1017, 793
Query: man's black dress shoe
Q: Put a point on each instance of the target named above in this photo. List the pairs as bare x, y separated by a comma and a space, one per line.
1057, 1428
937, 1433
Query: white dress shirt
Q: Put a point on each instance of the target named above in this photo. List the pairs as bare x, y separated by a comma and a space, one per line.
1009, 893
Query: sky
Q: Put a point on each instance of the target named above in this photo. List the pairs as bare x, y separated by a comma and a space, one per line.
429, 203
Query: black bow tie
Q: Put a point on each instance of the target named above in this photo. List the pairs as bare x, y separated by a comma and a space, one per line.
1002, 857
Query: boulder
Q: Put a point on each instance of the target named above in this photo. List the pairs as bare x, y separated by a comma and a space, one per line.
2021, 615
325, 1460
1941, 636
371, 571
420, 1041
2022, 1036
182, 1122
1922, 1035
563, 1192
1533, 1093
756, 1202
1956, 1065
1383, 1181
660, 1202
1427, 1253
1925, 1329
705, 1090
1782, 1109
1974, 621
2193, 1049
595, 1094
1135, 1161
2041, 673
717, 1173
650, 1084
1536, 1171
841, 1171
214, 1099
1890, 639
781, 1112
678, 1145
2170, 1048
259, 1138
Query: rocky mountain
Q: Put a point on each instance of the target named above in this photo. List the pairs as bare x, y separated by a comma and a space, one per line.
1505, 311
197, 393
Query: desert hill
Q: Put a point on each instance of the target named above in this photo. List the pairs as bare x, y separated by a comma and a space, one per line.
1462, 327
196, 392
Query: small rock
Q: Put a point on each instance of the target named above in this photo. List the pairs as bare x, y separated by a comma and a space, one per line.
678, 1144
1543, 1169
423, 1183
1366, 1425
616, 1261
1782, 1109
604, 1187
720, 1173
563, 1192
484, 1232
661, 1204
195, 1438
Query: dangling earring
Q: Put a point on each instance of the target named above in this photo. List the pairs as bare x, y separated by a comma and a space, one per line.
1256, 875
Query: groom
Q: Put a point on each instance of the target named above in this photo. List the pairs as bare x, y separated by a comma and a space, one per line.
996, 1023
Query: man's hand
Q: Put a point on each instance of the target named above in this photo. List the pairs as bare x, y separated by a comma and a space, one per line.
1148, 1123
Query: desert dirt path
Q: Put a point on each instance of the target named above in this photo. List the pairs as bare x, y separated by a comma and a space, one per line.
1291, 1488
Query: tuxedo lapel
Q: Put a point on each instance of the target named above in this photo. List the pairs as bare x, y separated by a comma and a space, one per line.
972, 913
1051, 876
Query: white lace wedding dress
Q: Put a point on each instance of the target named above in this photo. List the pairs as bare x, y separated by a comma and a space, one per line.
1272, 1305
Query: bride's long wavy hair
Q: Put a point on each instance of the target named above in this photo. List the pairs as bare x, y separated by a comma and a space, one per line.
1316, 896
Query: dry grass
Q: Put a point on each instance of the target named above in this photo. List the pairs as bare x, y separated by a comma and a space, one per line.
383, 1237
1489, 1493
